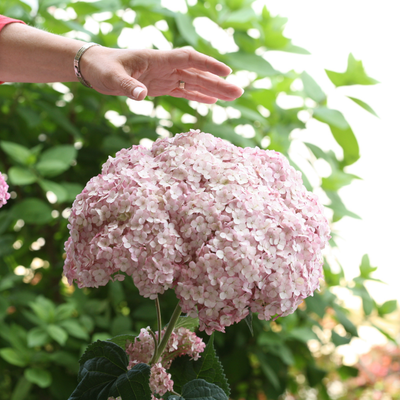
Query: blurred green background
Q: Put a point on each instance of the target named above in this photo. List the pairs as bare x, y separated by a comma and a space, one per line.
55, 137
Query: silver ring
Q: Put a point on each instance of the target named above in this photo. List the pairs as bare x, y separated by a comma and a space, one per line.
181, 85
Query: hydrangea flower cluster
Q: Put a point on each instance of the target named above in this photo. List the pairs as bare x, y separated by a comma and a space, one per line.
231, 229
4, 195
181, 342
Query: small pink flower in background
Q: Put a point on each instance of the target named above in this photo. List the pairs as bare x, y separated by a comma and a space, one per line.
231, 230
4, 195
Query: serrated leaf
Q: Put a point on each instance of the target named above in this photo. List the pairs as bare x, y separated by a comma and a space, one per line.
187, 322
199, 389
121, 340
364, 105
354, 74
103, 373
208, 367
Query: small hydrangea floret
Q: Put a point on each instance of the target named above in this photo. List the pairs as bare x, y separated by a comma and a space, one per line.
232, 230
4, 195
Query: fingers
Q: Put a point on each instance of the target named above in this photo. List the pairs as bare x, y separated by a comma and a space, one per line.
209, 84
193, 96
188, 58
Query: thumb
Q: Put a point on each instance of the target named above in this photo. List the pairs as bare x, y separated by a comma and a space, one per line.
132, 88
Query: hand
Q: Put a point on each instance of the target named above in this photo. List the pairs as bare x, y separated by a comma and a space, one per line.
157, 73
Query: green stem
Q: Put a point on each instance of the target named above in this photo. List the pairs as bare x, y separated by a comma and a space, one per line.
159, 323
168, 331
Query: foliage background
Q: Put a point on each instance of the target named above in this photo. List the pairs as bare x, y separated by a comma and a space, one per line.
54, 138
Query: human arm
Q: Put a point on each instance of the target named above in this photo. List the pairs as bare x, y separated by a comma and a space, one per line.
30, 55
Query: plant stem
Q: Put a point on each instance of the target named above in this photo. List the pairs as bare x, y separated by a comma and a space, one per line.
170, 327
159, 322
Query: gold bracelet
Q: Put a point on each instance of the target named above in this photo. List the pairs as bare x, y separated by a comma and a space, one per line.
77, 60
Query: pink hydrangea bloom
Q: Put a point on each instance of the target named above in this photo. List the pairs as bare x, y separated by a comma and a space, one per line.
4, 195
181, 342
230, 229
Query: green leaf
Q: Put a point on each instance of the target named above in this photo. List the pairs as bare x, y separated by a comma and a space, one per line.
49, 168
187, 322
33, 211
387, 307
315, 375
365, 267
38, 376
337, 180
331, 117
268, 369
22, 389
354, 74
208, 367
74, 328
57, 333
250, 62
199, 389
6, 244
57, 189
73, 189
304, 334
339, 340
346, 372
347, 324
104, 373
64, 153
312, 89
21, 176
121, 340
17, 152
348, 142
367, 301
364, 105
186, 28
338, 207
38, 337
14, 357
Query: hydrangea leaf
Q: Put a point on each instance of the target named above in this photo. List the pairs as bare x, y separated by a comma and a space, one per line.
50, 186
339, 340
121, 340
199, 389
354, 75
103, 373
208, 367
64, 153
187, 322
365, 267
186, 28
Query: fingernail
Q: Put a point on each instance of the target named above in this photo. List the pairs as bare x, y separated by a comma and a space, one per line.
230, 70
137, 91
